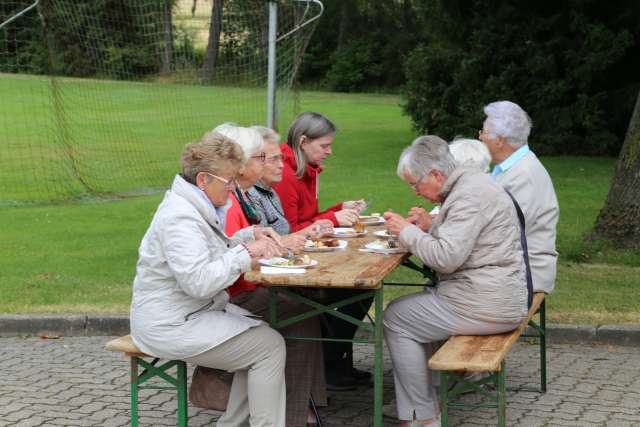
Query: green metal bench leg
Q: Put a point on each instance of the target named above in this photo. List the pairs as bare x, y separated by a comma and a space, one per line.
182, 394
444, 398
134, 392
502, 397
377, 386
543, 348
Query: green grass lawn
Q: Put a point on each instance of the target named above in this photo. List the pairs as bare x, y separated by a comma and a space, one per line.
80, 257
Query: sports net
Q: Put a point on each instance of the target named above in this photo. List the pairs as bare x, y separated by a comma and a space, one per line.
98, 97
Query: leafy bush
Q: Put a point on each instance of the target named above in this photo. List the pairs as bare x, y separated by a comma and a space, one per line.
571, 65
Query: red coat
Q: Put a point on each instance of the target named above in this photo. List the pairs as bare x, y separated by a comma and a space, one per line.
299, 197
235, 221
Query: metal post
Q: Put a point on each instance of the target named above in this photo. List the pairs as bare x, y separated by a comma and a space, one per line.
543, 348
378, 349
183, 406
502, 397
271, 65
134, 391
444, 398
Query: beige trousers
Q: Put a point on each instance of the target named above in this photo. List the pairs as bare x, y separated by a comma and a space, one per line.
257, 397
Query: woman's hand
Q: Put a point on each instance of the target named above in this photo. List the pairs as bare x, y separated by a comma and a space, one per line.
420, 217
395, 223
358, 205
260, 233
347, 217
263, 248
320, 228
294, 241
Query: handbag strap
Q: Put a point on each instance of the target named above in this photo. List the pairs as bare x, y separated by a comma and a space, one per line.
525, 250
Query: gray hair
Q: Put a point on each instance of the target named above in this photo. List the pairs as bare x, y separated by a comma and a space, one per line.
267, 134
213, 153
470, 152
426, 153
313, 126
509, 120
248, 139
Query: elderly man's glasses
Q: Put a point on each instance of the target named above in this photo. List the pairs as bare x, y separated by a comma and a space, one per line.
414, 185
228, 183
262, 156
274, 160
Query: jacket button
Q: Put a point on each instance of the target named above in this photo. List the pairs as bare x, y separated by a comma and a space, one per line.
228, 245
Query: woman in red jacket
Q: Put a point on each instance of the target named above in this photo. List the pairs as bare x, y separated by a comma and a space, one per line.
308, 145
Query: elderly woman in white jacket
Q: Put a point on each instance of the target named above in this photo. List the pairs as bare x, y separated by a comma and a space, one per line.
474, 247
180, 307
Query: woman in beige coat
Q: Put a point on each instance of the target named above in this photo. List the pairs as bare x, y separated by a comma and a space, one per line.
474, 247
180, 307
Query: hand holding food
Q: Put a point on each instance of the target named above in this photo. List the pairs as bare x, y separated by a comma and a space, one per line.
395, 223
294, 241
420, 217
263, 248
358, 205
266, 232
347, 217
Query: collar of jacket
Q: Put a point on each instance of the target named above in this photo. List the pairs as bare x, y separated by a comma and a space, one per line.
187, 191
452, 179
262, 188
290, 159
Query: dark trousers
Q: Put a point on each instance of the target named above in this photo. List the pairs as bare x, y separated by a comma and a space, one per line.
336, 352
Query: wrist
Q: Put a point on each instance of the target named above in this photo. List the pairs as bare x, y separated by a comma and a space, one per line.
249, 251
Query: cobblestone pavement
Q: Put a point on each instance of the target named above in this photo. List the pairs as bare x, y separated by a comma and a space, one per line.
75, 382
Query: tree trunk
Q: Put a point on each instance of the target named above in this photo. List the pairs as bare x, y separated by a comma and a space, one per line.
213, 45
167, 57
344, 23
619, 220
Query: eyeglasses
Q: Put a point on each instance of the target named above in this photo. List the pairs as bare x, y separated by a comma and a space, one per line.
414, 185
262, 156
228, 183
274, 159
489, 134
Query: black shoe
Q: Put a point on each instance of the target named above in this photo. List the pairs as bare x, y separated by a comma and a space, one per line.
337, 381
361, 377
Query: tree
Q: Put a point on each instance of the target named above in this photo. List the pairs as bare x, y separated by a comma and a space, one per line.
213, 44
619, 219
167, 34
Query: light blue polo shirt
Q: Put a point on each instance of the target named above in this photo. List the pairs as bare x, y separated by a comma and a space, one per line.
511, 160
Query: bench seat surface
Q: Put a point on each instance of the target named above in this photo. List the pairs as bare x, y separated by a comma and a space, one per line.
480, 353
125, 345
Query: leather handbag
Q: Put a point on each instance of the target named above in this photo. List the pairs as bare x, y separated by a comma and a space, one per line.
210, 388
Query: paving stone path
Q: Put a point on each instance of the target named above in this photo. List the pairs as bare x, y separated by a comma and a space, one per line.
74, 382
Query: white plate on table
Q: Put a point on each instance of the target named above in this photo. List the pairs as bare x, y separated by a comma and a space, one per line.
371, 220
341, 245
281, 263
346, 232
383, 234
381, 247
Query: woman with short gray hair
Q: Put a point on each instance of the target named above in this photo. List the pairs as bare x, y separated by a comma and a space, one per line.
473, 245
180, 306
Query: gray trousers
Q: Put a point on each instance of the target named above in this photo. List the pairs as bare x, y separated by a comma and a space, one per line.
257, 397
413, 324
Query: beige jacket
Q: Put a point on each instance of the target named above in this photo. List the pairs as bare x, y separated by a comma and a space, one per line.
529, 183
180, 306
474, 246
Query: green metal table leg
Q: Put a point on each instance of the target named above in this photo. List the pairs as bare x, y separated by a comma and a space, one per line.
182, 394
378, 346
444, 398
502, 397
134, 391
543, 348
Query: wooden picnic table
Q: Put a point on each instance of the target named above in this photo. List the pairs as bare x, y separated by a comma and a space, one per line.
345, 268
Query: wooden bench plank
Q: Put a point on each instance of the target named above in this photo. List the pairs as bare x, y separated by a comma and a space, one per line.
125, 345
480, 353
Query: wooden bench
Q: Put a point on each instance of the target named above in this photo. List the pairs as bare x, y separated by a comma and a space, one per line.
179, 382
485, 353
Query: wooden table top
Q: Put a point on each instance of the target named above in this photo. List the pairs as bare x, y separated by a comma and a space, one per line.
346, 268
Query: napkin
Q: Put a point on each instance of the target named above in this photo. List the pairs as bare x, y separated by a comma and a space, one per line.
279, 270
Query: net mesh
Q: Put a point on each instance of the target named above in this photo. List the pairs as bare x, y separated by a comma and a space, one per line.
99, 97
